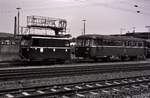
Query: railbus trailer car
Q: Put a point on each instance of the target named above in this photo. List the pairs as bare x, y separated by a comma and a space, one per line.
106, 47
148, 48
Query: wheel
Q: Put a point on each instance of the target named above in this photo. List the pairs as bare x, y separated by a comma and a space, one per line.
106, 59
132, 58
95, 59
123, 58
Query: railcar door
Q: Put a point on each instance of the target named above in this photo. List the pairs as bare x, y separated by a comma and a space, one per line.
24, 48
97, 48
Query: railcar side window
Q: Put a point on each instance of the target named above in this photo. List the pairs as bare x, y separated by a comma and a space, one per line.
131, 43
105, 42
24, 43
134, 43
79, 42
140, 44
87, 42
118, 43
147, 44
127, 43
94, 43
50, 42
112, 43
97, 42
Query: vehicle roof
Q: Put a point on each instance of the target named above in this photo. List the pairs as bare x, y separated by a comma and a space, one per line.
29, 36
112, 37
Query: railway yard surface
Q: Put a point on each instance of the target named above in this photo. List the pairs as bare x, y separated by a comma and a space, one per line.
44, 60
81, 80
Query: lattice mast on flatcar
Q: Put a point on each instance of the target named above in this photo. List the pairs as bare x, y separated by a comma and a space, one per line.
45, 23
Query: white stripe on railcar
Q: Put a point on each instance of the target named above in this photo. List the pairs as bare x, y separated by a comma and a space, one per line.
51, 47
50, 38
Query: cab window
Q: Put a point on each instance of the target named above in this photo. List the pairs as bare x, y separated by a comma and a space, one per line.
84, 42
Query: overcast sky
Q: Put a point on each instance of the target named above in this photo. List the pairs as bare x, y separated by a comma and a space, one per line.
102, 16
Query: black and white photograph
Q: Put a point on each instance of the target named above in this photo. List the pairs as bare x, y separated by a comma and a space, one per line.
74, 48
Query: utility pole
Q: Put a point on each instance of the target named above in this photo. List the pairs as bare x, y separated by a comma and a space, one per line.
134, 29
15, 25
84, 26
18, 25
148, 27
121, 30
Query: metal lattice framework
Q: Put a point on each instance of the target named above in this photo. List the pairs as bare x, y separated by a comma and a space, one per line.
39, 22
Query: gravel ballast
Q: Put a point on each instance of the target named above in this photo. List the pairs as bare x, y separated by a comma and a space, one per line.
24, 83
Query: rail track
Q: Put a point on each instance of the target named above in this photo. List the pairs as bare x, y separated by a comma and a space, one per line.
82, 89
103, 88
53, 71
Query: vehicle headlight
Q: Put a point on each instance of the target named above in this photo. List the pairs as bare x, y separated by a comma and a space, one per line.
87, 49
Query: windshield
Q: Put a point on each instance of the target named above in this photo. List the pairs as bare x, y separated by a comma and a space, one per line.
50, 43
25, 43
84, 42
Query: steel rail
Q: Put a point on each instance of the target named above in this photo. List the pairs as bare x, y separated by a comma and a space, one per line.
74, 88
14, 74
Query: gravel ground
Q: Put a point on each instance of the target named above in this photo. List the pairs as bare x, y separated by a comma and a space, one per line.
145, 95
68, 79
